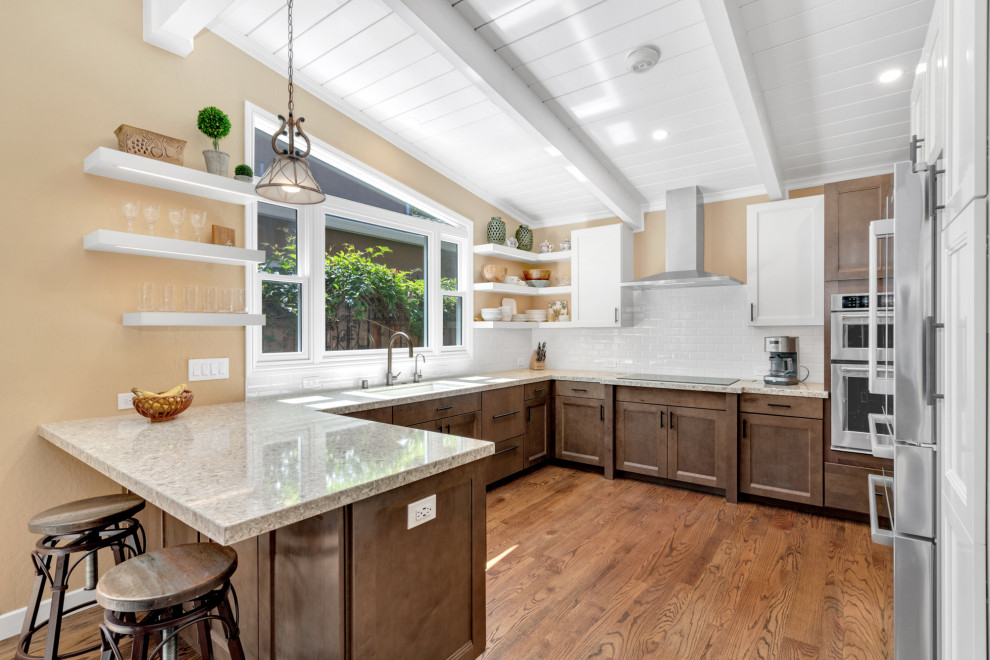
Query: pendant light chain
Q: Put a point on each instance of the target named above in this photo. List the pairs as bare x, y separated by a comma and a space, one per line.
291, 104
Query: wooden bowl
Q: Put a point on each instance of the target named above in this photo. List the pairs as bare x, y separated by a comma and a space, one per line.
537, 274
162, 408
494, 273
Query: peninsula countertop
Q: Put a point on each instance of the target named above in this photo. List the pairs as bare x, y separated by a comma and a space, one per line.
234, 471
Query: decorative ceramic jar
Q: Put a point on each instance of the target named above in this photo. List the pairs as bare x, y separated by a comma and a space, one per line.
566, 245
546, 246
496, 230
525, 237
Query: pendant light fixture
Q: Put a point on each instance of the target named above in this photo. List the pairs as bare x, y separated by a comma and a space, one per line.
288, 179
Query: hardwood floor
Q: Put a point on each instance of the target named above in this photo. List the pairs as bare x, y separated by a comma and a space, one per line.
580, 567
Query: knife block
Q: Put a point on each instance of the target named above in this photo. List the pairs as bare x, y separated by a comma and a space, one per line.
535, 364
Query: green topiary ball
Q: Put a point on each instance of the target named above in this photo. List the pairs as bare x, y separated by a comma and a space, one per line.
244, 170
214, 124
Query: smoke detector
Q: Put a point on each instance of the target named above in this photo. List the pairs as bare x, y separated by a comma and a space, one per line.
643, 59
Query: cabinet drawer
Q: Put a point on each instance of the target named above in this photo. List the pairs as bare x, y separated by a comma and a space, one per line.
509, 458
580, 389
787, 406
846, 487
664, 397
383, 415
465, 425
502, 414
424, 411
536, 390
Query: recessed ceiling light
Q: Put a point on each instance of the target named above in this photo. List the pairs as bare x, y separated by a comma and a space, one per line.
890, 75
660, 134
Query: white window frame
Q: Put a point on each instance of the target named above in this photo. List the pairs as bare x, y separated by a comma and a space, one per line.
314, 355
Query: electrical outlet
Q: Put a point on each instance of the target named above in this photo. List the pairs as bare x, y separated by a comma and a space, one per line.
125, 401
421, 511
611, 363
520, 362
209, 369
311, 383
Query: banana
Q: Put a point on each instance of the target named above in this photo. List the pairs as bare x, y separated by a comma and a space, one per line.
175, 391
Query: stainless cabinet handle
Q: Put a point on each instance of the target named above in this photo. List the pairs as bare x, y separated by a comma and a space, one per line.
444, 408
514, 412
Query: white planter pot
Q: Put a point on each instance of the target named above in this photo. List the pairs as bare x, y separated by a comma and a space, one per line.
216, 161
244, 177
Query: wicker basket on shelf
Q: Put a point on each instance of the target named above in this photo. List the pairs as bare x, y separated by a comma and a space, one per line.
162, 408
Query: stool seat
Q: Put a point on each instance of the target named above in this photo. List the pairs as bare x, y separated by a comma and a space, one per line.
85, 514
166, 577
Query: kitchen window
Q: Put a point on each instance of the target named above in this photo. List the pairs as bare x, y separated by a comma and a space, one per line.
340, 278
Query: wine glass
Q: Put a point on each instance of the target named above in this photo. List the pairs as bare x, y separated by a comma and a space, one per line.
197, 219
151, 213
176, 217
130, 208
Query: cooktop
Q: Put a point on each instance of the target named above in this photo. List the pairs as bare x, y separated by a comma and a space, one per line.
694, 380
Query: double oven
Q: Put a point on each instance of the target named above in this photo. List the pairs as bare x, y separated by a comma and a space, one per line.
862, 421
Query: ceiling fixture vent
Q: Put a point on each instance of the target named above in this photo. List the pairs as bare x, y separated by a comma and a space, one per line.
643, 59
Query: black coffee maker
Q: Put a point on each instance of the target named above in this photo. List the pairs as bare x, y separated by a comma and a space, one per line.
783, 360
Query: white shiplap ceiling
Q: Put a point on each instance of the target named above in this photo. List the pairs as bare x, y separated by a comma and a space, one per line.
816, 64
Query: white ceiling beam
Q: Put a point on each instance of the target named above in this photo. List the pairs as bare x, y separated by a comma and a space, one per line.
729, 36
173, 24
450, 34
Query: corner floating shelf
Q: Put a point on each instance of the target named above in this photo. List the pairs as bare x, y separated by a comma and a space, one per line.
191, 319
122, 242
123, 166
516, 290
529, 325
514, 254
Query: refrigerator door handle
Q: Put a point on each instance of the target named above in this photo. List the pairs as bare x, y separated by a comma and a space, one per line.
879, 536
929, 359
878, 229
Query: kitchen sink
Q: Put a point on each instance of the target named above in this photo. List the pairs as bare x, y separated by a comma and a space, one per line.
412, 389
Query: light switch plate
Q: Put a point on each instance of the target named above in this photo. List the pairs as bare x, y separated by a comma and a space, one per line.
209, 369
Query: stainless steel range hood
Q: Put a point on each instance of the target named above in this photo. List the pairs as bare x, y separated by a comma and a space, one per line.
685, 245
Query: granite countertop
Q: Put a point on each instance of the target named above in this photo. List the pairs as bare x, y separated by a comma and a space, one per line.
237, 470
355, 400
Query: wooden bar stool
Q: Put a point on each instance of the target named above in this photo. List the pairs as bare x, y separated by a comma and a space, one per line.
158, 594
84, 527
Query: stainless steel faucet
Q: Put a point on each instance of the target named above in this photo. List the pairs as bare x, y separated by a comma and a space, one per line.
389, 376
417, 374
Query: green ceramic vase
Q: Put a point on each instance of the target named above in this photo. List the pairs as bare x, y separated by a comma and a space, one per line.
525, 237
496, 230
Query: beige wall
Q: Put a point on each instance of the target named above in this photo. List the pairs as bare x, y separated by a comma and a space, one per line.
73, 72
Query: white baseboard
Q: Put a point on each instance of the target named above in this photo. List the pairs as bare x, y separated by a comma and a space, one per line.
11, 622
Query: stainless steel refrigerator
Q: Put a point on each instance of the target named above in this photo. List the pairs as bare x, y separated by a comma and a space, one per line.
911, 493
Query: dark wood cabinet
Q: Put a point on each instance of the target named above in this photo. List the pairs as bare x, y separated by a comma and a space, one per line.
692, 446
509, 458
850, 206
641, 438
781, 457
502, 414
537, 441
467, 425
383, 415
580, 429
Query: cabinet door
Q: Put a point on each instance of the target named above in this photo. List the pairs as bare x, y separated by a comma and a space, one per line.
850, 207
537, 439
641, 438
966, 104
781, 457
466, 426
692, 447
933, 56
785, 251
580, 425
602, 258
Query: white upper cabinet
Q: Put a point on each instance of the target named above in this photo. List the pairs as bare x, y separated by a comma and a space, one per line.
602, 258
785, 261
965, 158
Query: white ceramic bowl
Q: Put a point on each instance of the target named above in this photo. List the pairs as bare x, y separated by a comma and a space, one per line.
506, 313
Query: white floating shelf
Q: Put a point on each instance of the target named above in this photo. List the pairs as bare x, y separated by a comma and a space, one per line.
514, 254
122, 242
530, 325
517, 290
201, 319
123, 166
